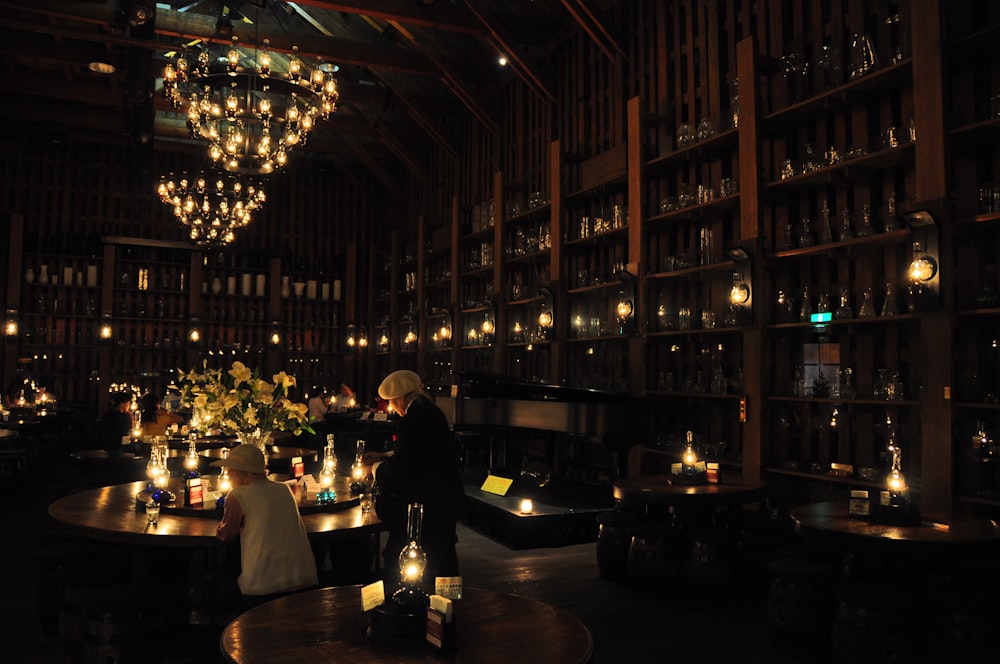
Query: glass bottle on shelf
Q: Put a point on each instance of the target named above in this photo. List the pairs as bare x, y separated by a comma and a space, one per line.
806, 310
844, 311
987, 295
846, 230
847, 390
889, 306
805, 234
867, 305
784, 309
823, 303
891, 220
866, 229
825, 232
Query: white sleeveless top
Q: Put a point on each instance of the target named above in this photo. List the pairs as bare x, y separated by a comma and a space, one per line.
274, 546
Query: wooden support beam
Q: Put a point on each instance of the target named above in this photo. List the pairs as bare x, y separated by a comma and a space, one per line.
440, 16
594, 28
505, 44
383, 176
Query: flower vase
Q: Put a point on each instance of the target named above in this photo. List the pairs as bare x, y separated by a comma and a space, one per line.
257, 437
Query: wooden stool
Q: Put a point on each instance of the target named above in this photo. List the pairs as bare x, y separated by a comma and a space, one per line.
873, 623
712, 557
614, 539
800, 605
655, 557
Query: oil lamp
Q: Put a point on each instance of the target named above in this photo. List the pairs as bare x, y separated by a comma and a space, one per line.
225, 483
191, 460
358, 484
412, 563
689, 458
526, 506
328, 473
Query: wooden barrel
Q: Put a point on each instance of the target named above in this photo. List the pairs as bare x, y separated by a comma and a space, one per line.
801, 602
711, 557
113, 636
873, 623
655, 557
614, 538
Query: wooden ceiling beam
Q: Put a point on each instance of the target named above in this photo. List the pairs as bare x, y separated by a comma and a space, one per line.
504, 43
439, 16
377, 170
594, 28
453, 84
397, 147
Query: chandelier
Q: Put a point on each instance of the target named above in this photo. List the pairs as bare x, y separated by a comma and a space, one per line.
250, 113
212, 211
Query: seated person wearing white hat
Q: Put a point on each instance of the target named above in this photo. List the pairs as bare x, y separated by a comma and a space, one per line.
275, 555
422, 468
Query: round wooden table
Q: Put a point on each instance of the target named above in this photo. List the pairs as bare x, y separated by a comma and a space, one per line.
832, 518
8, 435
659, 491
109, 513
328, 625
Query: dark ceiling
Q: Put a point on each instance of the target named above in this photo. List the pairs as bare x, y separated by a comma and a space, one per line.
408, 69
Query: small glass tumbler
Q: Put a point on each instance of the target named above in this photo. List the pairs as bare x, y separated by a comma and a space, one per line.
365, 500
152, 512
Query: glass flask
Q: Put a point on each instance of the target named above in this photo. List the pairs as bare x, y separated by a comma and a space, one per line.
825, 232
844, 311
846, 230
867, 305
866, 222
806, 310
889, 306
863, 58
891, 220
805, 234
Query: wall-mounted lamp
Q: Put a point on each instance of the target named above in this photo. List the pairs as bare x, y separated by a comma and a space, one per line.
545, 318
384, 343
275, 336
352, 338
625, 304
923, 267
194, 332
362, 338
739, 292
10, 323
410, 338
106, 330
441, 338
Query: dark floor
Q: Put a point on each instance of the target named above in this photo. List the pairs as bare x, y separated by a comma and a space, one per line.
705, 623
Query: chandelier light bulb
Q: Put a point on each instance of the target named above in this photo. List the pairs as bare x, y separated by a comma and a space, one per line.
250, 115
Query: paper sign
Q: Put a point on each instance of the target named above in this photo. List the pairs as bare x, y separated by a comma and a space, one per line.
298, 468
448, 586
497, 485
372, 595
195, 494
381, 417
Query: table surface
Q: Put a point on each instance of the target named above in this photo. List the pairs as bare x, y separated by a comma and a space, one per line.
328, 625
658, 490
833, 517
8, 435
109, 513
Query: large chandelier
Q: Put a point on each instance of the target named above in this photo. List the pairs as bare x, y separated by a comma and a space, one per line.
250, 114
212, 206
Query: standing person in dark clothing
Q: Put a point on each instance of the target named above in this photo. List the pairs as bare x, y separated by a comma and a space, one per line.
116, 424
421, 468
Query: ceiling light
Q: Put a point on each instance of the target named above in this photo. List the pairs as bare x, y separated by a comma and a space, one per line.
502, 60
251, 115
212, 205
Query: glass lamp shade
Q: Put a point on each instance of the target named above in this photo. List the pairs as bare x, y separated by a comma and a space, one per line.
922, 267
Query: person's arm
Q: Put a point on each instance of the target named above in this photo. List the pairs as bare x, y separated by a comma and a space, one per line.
232, 520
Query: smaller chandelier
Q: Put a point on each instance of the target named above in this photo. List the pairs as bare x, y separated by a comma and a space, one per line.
212, 206
251, 116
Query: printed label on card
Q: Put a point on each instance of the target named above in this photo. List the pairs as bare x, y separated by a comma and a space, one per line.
298, 468
372, 595
496, 485
448, 586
